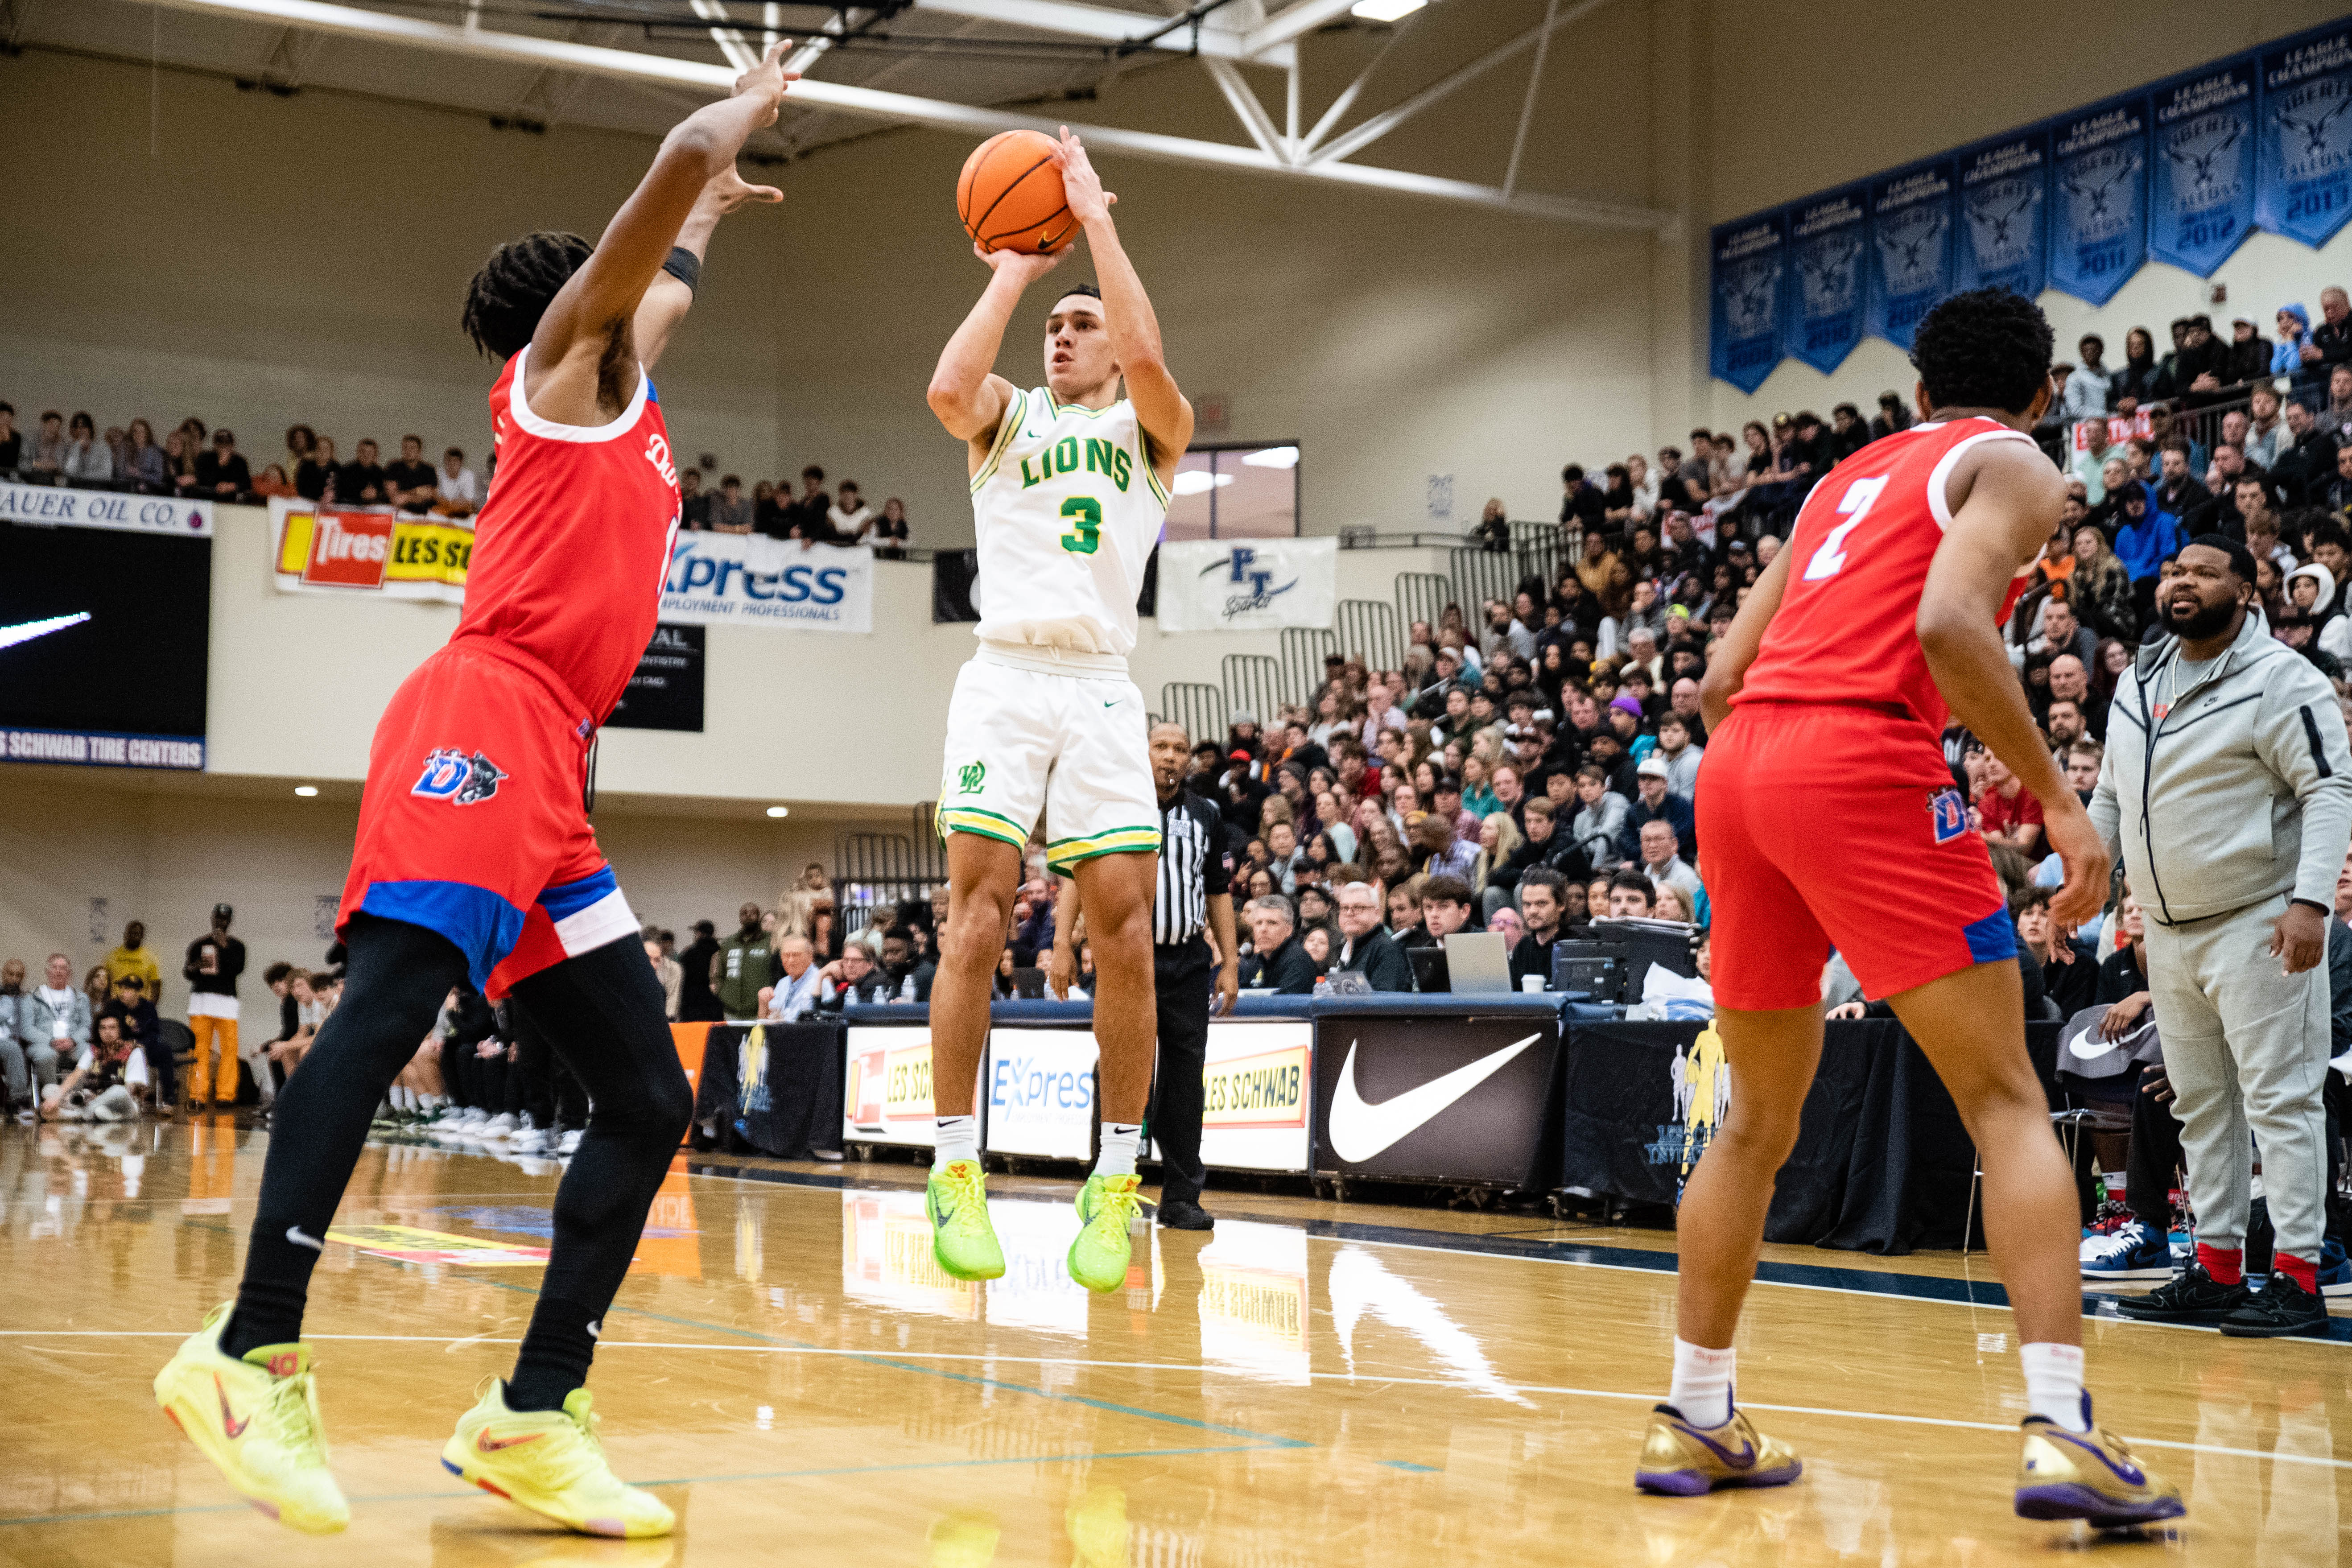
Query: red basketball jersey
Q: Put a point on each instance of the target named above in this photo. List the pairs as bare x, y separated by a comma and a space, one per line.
573, 545
1847, 629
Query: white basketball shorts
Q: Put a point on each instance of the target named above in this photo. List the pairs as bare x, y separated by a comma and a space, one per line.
1075, 745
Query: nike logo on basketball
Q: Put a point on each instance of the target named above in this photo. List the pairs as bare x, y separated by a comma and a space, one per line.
486, 1444
1360, 1132
294, 1234
230, 1425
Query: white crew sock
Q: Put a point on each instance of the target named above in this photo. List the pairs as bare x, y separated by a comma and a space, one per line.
399, 1098
957, 1138
1120, 1141
2054, 1384
1702, 1387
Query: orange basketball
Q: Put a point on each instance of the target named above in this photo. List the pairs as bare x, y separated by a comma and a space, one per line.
1010, 195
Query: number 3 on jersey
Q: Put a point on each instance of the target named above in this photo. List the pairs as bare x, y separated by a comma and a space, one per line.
1085, 516
1830, 559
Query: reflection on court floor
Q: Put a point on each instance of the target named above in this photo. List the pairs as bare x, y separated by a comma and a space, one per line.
1305, 1385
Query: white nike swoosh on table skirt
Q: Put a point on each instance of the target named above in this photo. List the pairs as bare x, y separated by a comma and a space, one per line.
26, 631
1360, 1132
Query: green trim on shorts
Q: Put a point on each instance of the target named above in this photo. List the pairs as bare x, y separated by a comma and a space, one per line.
986, 824
1115, 841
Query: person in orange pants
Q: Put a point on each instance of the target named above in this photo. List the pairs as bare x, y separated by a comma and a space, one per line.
214, 960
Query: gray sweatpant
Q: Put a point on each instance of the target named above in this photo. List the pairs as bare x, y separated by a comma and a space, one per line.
2246, 1048
27, 1069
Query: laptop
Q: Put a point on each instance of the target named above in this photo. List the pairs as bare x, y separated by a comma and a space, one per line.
1477, 963
1428, 971
1029, 984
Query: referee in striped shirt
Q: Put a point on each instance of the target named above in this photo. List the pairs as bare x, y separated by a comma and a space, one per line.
1193, 896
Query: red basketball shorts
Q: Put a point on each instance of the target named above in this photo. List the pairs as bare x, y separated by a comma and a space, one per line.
474, 825
1839, 826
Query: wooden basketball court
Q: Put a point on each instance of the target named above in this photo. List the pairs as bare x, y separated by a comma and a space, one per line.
1312, 1383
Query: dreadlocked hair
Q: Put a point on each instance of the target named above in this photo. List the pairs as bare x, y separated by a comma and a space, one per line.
514, 288
1988, 348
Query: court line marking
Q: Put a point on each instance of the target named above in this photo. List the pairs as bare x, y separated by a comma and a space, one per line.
1260, 1440
457, 1494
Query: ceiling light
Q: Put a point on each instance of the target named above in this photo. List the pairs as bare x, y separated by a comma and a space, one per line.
1384, 10
780, 811
1199, 482
306, 791
1273, 457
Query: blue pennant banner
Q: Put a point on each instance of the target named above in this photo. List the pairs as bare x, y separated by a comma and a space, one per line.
2201, 197
2305, 185
1827, 234
2098, 231
1749, 261
1910, 250
2004, 235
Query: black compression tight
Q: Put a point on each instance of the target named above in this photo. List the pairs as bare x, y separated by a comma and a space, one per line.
601, 1013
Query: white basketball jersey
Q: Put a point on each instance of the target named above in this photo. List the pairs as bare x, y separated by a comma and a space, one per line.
1067, 509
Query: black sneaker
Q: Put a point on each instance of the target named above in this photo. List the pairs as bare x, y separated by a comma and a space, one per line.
2194, 1297
2280, 1308
1183, 1214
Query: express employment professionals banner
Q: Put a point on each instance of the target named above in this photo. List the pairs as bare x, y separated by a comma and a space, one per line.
750, 580
2004, 236
1247, 586
1826, 237
2303, 184
2202, 197
1910, 250
1745, 277
374, 554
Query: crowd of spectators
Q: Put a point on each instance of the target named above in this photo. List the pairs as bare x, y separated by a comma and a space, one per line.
198, 463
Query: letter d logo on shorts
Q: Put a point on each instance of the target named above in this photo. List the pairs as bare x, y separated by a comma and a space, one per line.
450, 774
1949, 813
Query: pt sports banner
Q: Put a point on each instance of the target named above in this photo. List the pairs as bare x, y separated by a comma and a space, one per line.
1248, 584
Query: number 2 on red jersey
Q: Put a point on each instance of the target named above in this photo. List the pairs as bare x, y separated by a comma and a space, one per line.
1830, 559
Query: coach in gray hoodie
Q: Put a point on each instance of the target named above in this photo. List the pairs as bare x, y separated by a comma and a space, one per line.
2227, 785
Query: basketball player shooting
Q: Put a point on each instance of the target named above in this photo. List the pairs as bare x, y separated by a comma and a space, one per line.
1070, 484
475, 861
1827, 706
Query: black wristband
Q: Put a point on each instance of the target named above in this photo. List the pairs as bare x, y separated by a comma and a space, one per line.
686, 266
2311, 905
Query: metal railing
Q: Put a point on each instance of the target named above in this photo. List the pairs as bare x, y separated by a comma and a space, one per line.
1366, 629
1423, 596
875, 872
1254, 685
1302, 651
1196, 705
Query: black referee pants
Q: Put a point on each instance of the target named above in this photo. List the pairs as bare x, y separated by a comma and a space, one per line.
1180, 975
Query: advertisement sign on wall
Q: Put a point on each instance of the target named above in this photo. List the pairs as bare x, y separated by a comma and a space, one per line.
1258, 584
380, 555
56, 506
750, 580
1441, 1099
886, 1086
666, 692
1254, 1084
1041, 1092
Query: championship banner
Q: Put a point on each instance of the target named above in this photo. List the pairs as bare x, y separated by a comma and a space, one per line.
2201, 202
380, 554
750, 580
2098, 182
1745, 262
2303, 183
52, 504
1910, 251
1826, 235
2005, 215
1258, 584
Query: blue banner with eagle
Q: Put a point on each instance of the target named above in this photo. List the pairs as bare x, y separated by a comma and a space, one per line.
2303, 185
2202, 188
1910, 249
1748, 259
1826, 237
2004, 235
